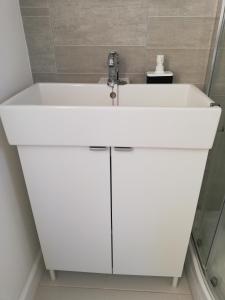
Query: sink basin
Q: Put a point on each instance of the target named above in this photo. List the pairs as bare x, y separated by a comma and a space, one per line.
158, 116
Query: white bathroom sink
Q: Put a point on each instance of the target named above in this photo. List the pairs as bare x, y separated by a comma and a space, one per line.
141, 187
159, 116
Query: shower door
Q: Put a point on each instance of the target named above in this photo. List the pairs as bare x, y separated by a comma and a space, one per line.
209, 225
211, 199
213, 189
215, 270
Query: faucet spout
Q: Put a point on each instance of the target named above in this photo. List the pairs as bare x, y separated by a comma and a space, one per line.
113, 68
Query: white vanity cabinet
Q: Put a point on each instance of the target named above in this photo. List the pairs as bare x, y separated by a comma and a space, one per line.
113, 209
69, 189
155, 194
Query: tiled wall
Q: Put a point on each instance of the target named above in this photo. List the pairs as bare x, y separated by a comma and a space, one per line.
69, 40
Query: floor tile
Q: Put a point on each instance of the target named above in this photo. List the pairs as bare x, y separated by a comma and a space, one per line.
132, 283
67, 293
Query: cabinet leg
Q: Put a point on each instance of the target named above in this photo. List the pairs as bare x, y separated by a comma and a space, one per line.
175, 282
52, 275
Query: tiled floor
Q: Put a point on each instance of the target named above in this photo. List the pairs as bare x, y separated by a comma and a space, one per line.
81, 286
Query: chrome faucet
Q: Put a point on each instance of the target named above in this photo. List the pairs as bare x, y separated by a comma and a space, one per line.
113, 68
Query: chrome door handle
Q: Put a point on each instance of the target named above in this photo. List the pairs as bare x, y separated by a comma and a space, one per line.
123, 149
98, 148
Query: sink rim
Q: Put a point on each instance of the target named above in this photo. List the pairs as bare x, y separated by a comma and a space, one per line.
11, 102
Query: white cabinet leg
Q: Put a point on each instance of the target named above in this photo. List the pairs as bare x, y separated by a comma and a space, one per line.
52, 275
175, 282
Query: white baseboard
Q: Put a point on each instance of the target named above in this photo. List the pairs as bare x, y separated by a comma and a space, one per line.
197, 282
33, 279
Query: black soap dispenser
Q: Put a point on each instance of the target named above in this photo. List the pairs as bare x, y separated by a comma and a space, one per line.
159, 75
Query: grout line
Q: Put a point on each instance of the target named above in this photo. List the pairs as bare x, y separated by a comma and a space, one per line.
74, 73
40, 16
97, 45
127, 45
133, 46
51, 25
34, 7
180, 17
44, 16
148, 17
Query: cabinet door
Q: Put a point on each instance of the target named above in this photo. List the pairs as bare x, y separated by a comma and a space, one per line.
69, 190
154, 196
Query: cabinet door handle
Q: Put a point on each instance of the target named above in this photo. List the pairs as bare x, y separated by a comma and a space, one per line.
98, 148
123, 149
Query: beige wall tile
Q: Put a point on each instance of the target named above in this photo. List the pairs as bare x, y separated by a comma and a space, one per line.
185, 297
132, 59
179, 33
189, 66
80, 78
39, 41
70, 78
90, 4
200, 86
81, 59
206, 8
34, 11
34, 3
71, 59
77, 24
135, 77
44, 77
42, 62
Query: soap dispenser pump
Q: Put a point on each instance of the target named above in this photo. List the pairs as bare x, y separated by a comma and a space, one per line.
159, 64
